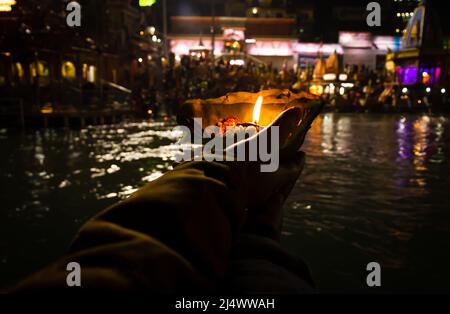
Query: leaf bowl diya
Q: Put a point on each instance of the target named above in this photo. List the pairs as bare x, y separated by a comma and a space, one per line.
257, 110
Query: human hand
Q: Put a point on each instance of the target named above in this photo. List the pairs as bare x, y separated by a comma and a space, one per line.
259, 187
266, 217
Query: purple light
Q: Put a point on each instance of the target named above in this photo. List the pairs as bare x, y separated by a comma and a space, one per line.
403, 139
407, 75
410, 76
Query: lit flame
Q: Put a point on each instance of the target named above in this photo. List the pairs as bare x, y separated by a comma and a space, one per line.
257, 109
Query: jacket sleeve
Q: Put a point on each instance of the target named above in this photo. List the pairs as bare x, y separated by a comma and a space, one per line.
174, 234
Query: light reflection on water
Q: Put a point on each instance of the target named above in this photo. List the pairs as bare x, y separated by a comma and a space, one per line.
54, 180
374, 189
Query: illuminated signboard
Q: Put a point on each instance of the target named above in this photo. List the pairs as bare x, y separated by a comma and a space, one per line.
6, 5
387, 42
280, 48
182, 46
314, 48
234, 34
145, 3
355, 40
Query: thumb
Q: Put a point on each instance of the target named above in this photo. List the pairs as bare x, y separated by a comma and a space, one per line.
287, 122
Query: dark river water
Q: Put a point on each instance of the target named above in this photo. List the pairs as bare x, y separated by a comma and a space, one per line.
376, 188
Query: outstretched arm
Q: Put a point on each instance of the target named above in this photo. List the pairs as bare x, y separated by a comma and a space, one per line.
174, 235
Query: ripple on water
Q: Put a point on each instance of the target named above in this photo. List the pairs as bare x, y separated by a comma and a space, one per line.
374, 187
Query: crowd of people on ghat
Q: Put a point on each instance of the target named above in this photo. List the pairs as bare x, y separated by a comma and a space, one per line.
162, 86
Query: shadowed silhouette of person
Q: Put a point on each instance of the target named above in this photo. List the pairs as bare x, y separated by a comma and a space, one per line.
204, 227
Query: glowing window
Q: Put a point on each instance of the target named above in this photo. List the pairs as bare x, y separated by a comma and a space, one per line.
68, 70
89, 73
18, 70
39, 68
18, 73
40, 71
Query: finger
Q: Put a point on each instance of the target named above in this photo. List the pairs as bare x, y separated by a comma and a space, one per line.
287, 122
283, 180
311, 111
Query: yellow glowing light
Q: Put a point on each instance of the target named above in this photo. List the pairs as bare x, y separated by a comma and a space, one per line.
5, 8
257, 109
6, 5
329, 77
47, 109
18, 70
390, 66
316, 90
39, 68
343, 77
89, 73
68, 70
150, 112
146, 3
